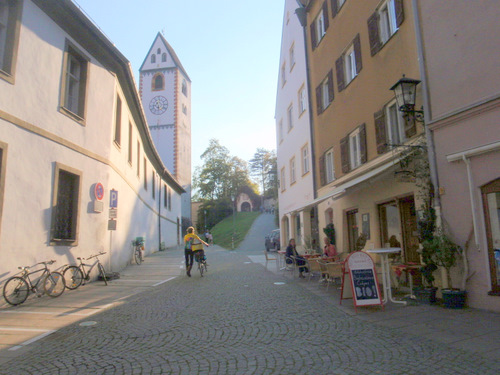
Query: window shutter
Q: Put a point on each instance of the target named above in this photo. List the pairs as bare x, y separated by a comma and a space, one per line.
373, 34
313, 35
380, 131
335, 8
362, 143
339, 65
344, 154
410, 126
322, 171
326, 16
400, 14
319, 105
330, 86
357, 53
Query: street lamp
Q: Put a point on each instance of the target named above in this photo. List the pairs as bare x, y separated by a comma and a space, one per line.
405, 91
233, 197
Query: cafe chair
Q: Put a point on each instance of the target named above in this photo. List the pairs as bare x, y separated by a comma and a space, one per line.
335, 271
270, 258
314, 268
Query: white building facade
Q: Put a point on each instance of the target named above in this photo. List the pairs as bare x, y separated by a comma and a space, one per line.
293, 135
165, 90
78, 169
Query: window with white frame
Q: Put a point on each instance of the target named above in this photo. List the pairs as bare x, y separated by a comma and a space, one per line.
350, 65
290, 117
282, 181
292, 56
283, 74
387, 20
355, 149
319, 23
292, 171
329, 166
10, 21
280, 130
74, 83
302, 100
305, 159
395, 124
325, 97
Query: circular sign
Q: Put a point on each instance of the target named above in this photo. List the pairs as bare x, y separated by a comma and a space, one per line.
99, 191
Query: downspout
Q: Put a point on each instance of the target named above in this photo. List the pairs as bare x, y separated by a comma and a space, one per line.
427, 113
472, 200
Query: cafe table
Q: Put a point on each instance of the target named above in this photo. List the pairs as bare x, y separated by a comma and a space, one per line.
386, 269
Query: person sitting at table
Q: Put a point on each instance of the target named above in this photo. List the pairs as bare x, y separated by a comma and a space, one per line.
291, 251
329, 251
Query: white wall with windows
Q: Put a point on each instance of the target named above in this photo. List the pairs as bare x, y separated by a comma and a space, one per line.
69, 121
292, 115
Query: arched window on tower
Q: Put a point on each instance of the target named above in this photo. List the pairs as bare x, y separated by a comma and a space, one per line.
158, 51
184, 87
153, 59
158, 82
164, 57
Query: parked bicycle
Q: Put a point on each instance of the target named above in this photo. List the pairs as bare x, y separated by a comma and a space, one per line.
138, 245
74, 276
17, 288
201, 259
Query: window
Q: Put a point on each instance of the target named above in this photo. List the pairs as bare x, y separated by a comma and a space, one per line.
395, 125
145, 174
65, 202
184, 109
349, 65
329, 166
118, 121
302, 100
158, 51
491, 203
184, 87
138, 159
10, 16
292, 56
164, 57
153, 185
165, 200
130, 143
336, 5
352, 219
153, 59
283, 182
305, 159
74, 82
283, 75
353, 149
384, 23
319, 26
169, 196
324, 93
158, 82
290, 117
292, 171
280, 130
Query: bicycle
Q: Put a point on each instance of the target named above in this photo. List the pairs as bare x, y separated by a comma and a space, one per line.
17, 288
201, 259
74, 276
138, 250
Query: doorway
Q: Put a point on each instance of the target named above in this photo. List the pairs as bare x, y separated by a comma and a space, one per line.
352, 229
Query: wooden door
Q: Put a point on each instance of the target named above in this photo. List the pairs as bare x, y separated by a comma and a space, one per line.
409, 230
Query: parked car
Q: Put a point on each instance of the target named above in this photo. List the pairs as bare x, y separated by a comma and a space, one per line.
272, 240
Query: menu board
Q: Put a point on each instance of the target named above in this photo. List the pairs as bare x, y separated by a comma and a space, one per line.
363, 277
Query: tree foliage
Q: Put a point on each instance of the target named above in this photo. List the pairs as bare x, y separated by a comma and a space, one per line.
263, 167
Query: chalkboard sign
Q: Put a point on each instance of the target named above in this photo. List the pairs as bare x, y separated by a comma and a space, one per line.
363, 277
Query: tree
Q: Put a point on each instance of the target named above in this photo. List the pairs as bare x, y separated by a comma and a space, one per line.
262, 167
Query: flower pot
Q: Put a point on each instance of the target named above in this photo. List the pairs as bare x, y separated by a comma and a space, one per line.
426, 295
453, 298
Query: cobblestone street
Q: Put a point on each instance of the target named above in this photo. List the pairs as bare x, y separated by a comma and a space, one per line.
238, 319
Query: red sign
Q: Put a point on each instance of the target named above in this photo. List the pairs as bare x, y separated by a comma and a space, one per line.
99, 191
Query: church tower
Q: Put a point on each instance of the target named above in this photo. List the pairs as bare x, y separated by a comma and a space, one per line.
165, 90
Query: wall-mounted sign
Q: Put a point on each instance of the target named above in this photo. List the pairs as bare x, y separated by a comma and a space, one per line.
113, 213
111, 224
113, 199
99, 191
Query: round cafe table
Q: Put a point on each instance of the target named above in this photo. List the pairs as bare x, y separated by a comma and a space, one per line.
386, 276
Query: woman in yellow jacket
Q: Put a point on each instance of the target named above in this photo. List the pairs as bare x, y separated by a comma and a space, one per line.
189, 251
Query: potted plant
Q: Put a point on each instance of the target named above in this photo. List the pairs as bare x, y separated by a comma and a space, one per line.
444, 253
329, 230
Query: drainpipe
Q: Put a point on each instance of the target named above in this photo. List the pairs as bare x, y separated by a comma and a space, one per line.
427, 113
472, 200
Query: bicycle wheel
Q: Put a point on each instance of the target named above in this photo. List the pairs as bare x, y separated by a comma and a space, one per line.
102, 273
16, 290
73, 277
53, 285
138, 256
201, 268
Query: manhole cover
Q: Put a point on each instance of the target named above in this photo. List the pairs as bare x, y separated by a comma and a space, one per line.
88, 324
279, 283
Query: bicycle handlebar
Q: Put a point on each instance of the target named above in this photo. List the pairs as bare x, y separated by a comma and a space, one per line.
96, 255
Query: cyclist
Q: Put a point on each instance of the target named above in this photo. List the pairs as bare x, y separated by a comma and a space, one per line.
190, 247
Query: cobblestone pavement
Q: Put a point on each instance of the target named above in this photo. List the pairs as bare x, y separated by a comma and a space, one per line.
238, 319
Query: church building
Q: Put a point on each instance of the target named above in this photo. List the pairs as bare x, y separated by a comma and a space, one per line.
165, 90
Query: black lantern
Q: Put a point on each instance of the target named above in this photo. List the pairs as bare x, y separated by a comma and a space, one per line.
405, 91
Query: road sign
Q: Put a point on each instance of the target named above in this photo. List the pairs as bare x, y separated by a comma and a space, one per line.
113, 213
99, 191
113, 199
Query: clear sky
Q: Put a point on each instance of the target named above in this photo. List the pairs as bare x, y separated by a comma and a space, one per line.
230, 50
